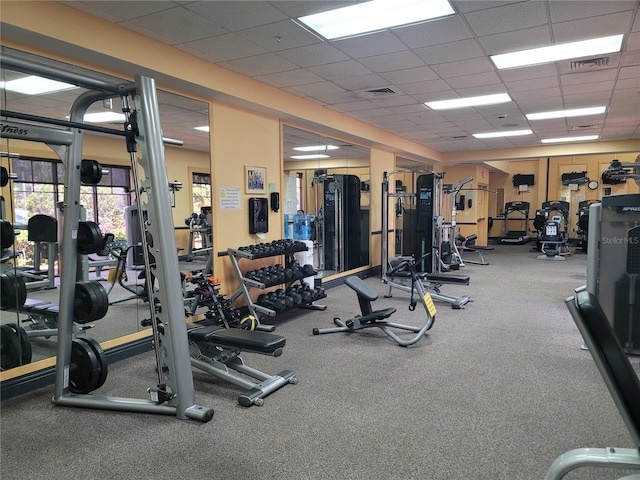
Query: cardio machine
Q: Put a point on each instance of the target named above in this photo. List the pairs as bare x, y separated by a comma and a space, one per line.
512, 236
553, 230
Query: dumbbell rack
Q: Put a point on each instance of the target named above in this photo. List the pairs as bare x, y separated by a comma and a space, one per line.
249, 280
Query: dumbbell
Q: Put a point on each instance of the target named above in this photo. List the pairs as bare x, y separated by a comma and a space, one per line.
319, 293
306, 293
307, 270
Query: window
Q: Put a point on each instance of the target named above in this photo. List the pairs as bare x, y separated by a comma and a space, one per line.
39, 188
201, 190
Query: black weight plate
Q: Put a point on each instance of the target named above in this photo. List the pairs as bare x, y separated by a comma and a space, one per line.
25, 344
90, 172
100, 355
84, 370
100, 300
7, 234
91, 302
90, 238
14, 291
4, 177
9, 348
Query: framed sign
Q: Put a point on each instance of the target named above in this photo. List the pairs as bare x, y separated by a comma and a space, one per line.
255, 180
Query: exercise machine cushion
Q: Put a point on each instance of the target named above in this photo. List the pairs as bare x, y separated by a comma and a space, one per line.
42, 228
238, 339
361, 287
613, 363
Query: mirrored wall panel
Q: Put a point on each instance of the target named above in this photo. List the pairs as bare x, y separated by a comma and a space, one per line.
327, 198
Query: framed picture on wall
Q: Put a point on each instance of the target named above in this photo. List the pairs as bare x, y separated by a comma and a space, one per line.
255, 180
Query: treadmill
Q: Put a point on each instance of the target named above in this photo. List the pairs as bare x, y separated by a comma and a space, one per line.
512, 211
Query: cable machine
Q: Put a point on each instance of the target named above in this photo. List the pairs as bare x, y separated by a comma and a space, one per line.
174, 392
341, 231
427, 235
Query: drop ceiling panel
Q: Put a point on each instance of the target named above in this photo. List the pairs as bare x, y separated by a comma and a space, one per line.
435, 32
174, 26
392, 62
314, 55
226, 47
568, 10
465, 67
279, 36
599, 26
450, 52
234, 16
518, 40
410, 76
334, 71
370, 45
507, 18
262, 64
436, 60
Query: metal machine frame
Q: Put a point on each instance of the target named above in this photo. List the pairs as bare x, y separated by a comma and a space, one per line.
174, 394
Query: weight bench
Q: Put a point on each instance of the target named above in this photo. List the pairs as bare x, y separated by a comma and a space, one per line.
621, 380
432, 283
216, 349
370, 318
43, 319
468, 244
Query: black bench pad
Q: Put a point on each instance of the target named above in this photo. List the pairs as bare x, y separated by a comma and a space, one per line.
235, 338
437, 277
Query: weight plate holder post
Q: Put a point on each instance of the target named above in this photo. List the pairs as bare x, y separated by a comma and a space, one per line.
174, 393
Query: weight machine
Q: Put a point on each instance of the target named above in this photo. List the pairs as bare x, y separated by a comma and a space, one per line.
174, 393
199, 226
613, 257
426, 239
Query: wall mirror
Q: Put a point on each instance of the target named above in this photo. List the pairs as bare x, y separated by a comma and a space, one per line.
327, 198
36, 188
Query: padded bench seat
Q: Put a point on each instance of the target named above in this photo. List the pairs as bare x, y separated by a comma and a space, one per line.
238, 339
439, 278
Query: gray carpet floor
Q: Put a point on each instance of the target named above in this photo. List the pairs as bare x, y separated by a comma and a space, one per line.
495, 391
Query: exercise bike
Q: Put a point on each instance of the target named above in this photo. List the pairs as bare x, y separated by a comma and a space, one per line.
370, 318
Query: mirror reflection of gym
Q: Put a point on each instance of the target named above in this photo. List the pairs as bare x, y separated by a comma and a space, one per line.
327, 199
35, 173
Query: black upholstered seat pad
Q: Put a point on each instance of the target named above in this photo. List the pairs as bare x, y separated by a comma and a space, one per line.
238, 339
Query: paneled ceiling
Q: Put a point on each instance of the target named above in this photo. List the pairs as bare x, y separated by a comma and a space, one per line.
436, 60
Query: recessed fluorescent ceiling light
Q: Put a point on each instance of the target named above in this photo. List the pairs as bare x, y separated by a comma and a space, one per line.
512, 133
315, 148
204, 128
584, 138
374, 16
309, 157
35, 85
104, 117
563, 51
576, 112
469, 102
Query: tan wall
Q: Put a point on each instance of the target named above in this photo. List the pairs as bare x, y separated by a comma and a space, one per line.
553, 189
242, 138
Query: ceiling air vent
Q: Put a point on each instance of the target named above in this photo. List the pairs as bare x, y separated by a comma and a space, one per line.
590, 62
380, 91
458, 137
584, 127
